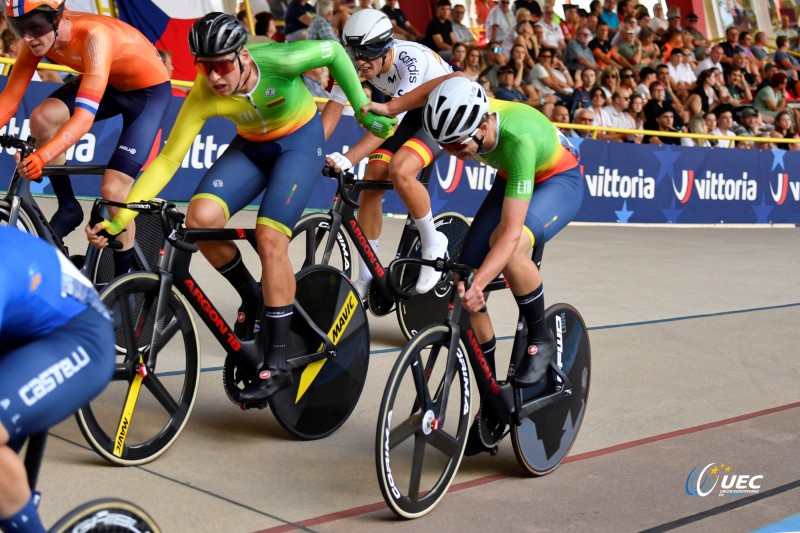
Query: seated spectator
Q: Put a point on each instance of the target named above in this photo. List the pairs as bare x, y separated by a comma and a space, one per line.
560, 114
787, 31
299, 15
750, 120
584, 117
500, 25
708, 94
526, 38
672, 40
636, 112
403, 29
609, 16
749, 71
609, 81
699, 41
317, 82
784, 129
740, 92
487, 86
659, 22
474, 64
681, 73
166, 58
746, 42
581, 97
462, 32
495, 58
458, 57
784, 60
627, 79
696, 124
651, 53
578, 55
771, 100
553, 37
671, 97
759, 48
618, 117
664, 119
266, 31
571, 22
321, 27
598, 100
712, 60
439, 35
604, 54
629, 24
724, 126
550, 77
647, 76
505, 88
730, 46
656, 104
629, 47
522, 64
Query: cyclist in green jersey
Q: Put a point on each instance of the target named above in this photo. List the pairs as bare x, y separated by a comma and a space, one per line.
537, 191
278, 149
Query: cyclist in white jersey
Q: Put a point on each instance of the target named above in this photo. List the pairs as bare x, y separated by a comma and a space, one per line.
394, 68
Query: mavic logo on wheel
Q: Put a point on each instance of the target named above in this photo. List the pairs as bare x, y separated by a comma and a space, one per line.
338, 328
702, 481
108, 519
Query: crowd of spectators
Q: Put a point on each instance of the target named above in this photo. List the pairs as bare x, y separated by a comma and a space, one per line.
617, 65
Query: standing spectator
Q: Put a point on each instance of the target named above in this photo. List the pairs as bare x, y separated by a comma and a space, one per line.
500, 24
463, 33
321, 28
403, 29
771, 100
609, 14
665, 119
712, 60
474, 64
553, 38
659, 22
439, 35
724, 125
698, 39
787, 31
759, 46
578, 55
299, 15
581, 97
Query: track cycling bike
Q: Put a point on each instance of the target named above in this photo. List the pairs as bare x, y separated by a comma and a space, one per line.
319, 238
424, 417
143, 410
104, 515
19, 208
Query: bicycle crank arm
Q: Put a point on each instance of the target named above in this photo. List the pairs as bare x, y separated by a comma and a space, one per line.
527, 409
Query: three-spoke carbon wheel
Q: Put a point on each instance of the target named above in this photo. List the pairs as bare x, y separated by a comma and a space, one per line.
107, 515
309, 240
545, 438
143, 410
423, 423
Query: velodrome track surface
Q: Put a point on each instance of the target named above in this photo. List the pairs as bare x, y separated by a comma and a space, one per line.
694, 335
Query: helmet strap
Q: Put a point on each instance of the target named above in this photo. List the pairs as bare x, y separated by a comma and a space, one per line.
241, 70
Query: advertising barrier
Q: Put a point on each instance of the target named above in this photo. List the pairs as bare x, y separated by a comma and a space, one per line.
624, 183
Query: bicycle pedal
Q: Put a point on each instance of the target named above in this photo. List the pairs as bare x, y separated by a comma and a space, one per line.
254, 405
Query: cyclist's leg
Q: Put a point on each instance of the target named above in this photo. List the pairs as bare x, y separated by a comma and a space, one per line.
44, 381
554, 204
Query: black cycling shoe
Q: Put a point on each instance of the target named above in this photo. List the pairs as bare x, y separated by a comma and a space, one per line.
259, 391
66, 219
245, 326
535, 363
475, 443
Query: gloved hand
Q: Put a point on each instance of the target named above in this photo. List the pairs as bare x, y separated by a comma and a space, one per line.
382, 127
339, 161
31, 167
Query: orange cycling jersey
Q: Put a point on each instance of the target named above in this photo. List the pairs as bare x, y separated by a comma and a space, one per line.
107, 52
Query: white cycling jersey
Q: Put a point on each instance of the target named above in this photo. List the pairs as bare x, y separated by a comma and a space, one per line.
412, 65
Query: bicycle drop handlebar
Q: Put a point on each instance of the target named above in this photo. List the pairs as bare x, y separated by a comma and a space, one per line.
440, 265
344, 179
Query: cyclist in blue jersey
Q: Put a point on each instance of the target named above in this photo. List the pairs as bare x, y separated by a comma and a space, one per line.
56, 354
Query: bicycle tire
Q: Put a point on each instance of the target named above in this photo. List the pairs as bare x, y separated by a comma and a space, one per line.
411, 480
325, 392
421, 310
311, 233
545, 438
106, 515
150, 238
24, 222
163, 395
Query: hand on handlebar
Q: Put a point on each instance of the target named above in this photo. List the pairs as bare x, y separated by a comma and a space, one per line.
472, 299
30, 167
99, 233
338, 162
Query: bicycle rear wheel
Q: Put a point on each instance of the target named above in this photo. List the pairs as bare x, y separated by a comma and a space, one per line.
326, 391
545, 438
430, 308
143, 410
106, 515
307, 247
423, 423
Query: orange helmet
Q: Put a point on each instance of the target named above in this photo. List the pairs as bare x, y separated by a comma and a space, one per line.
18, 8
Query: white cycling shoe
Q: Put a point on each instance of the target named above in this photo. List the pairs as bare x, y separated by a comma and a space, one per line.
427, 275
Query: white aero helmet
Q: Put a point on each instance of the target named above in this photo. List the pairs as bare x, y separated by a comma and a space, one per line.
368, 34
454, 110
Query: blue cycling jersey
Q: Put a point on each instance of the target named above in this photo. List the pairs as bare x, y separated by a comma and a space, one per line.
40, 290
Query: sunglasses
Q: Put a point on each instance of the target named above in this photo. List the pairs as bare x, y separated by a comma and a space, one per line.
222, 68
627, 76
497, 49
34, 25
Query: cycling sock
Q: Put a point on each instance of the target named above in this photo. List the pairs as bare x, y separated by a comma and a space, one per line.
123, 262
242, 281
278, 320
532, 308
69, 214
427, 231
363, 268
26, 519
488, 349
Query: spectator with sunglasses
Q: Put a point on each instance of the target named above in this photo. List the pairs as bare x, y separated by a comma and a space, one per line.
277, 150
121, 75
394, 68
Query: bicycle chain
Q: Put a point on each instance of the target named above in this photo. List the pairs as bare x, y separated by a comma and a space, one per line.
484, 428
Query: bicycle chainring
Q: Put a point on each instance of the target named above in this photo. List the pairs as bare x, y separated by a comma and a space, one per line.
377, 303
490, 430
232, 379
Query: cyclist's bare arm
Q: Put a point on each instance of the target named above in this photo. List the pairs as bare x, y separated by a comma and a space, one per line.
410, 100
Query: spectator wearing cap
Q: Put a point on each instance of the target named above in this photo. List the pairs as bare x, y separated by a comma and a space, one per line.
724, 127
731, 46
750, 120
403, 29
665, 120
577, 55
698, 39
609, 14
674, 19
439, 35
500, 24
658, 23
506, 90
552, 36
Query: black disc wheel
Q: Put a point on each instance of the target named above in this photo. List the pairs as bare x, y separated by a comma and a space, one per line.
544, 439
325, 391
422, 423
141, 413
422, 310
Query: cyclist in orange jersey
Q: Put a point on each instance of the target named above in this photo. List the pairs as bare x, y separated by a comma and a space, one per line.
121, 74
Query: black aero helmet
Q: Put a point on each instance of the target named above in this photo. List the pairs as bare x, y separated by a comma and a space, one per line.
216, 34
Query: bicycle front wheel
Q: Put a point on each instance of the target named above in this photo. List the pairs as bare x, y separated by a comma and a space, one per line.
423, 423
143, 410
325, 391
544, 439
310, 239
24, 222
106, 515
421, 310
